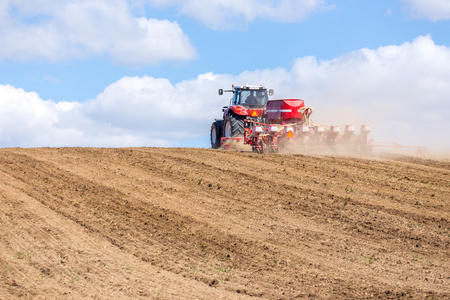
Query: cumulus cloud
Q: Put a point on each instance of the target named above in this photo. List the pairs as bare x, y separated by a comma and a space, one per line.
435, 10
232, 14
155, 107
60, 29
28, 121
401, 90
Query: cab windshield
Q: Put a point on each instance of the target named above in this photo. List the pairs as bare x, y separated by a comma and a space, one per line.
252, 98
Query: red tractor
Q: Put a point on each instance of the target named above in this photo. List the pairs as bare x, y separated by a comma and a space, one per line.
247, 103
281, 124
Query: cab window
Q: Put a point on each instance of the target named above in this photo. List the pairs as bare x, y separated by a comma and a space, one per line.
236, 98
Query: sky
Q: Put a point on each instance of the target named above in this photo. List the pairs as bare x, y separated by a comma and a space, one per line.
131, 73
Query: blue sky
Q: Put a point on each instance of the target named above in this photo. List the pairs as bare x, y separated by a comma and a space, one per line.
146, 72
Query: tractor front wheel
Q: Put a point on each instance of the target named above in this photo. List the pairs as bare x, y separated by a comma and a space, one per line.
233, 126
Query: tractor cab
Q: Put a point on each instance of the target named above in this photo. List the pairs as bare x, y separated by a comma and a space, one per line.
249, 96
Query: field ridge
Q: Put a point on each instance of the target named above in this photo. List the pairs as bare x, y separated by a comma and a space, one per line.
187, 223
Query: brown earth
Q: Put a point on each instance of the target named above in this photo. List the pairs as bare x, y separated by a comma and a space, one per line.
210, 224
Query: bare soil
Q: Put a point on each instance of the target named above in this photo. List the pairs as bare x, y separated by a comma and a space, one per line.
166, 223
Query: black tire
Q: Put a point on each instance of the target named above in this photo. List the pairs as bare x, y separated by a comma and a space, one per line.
233, 126
215, 136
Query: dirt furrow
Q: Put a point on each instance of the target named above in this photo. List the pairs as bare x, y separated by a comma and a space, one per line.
229, 223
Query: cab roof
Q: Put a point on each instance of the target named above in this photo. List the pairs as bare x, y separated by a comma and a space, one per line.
249, 87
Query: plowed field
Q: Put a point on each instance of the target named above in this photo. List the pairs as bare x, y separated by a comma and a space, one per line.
208, 224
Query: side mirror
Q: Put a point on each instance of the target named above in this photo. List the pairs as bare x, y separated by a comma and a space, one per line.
270, 92
220, 92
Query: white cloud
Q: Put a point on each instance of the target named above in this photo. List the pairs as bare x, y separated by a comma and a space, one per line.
22, 115
232, 14
430, 9
401, 90
155, 107
28, 121
60, 29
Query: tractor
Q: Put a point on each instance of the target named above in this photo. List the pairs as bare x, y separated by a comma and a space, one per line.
280, 125
247, 103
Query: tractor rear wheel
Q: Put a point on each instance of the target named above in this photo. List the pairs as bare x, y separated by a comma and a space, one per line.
233, 126
215, 136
